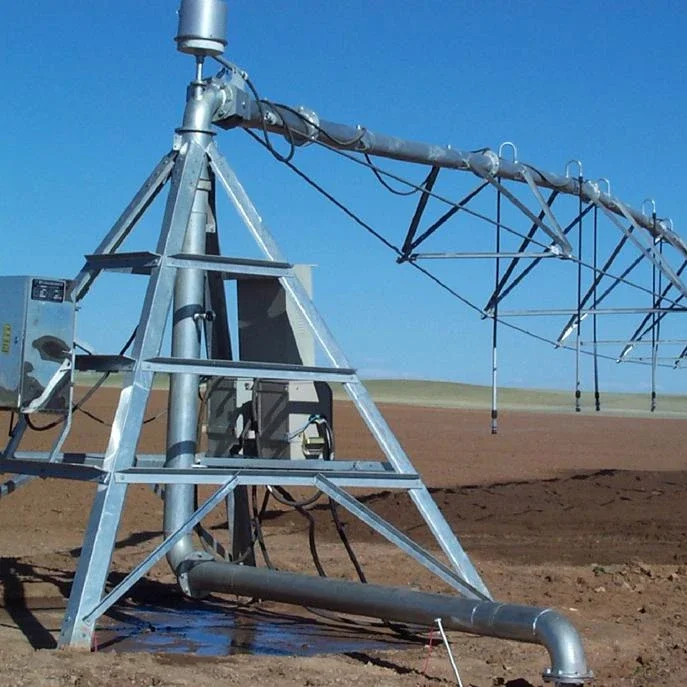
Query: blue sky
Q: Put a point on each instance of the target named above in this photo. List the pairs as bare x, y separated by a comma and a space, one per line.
94, 90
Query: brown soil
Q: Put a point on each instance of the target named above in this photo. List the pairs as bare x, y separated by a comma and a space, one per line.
583, 513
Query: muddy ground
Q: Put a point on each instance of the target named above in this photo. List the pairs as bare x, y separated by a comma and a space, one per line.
584, 513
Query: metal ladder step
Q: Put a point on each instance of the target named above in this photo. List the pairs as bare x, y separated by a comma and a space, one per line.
264, 477
232, 268
143, 262
140, 262
103, 363
255, 370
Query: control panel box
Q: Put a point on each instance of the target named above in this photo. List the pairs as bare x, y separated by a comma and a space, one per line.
36, 337
289, 419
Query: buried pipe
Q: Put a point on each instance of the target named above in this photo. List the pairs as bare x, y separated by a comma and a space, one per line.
508, 621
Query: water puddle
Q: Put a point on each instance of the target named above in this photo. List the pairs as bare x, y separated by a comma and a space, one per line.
212, 629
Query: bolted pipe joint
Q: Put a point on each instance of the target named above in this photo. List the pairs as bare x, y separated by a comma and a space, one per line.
541, 626
562, 641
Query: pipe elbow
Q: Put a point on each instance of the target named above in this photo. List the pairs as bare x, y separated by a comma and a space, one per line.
201, 106
564, 644
538, 626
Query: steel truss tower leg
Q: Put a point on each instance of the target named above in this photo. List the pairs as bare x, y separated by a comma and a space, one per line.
101, 531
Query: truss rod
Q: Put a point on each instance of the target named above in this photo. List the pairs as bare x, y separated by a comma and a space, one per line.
588, 311
595, 283
428, 185
506, 290
638, 337
575, 320
624, 342
648, 250
452, 256
556, 234
460, 205
650, 359
683, 353
638, 333
523, 246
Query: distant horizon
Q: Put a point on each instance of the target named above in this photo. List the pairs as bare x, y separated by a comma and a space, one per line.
84, 379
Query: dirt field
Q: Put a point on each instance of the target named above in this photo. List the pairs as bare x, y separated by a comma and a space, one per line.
583, 513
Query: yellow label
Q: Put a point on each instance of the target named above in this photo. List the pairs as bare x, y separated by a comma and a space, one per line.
6, 337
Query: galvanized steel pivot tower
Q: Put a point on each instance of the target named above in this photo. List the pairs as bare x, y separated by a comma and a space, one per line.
185, 276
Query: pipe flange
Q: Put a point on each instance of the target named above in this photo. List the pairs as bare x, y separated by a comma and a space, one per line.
561, 678
486, 164
183, 570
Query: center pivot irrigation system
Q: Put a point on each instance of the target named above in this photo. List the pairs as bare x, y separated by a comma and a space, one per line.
264, 404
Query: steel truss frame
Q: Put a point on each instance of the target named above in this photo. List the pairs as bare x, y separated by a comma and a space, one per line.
120, 465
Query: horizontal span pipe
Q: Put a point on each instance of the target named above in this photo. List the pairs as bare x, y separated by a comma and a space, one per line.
509, 621
306, 126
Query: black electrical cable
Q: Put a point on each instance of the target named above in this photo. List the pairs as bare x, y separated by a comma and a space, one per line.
387, 186
333, 200
257, 527
78, 406
548, 179
336, 141
338, 524
261, 111
287, 501
303, 512
43, 428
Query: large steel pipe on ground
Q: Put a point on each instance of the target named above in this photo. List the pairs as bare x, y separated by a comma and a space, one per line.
508, 621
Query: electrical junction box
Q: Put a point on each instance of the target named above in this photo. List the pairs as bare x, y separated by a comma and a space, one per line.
283, 411
36, 338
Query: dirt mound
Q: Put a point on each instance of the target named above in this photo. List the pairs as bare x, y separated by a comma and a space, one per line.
584, 513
